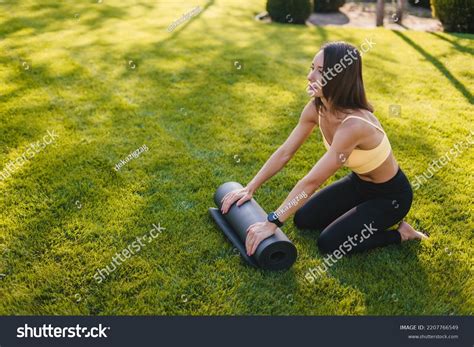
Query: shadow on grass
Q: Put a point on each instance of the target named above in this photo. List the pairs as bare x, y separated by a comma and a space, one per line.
457, 46
54, 14
454, 81
367, 272
182, 27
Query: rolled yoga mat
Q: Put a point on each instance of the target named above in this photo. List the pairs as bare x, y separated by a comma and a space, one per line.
274, 253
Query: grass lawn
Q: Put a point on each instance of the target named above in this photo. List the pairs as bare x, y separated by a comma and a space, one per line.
107, 77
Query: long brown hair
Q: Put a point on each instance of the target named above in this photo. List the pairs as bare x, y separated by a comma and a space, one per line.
344, 91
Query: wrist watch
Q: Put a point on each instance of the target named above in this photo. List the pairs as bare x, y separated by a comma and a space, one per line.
272, 218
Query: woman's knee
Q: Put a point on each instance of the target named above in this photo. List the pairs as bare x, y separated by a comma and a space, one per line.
305, 218
299, 219
327, 243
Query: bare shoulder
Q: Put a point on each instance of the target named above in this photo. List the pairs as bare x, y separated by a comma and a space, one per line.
357, 124
309, 113
355, 129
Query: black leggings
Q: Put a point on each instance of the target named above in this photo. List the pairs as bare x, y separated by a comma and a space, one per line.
355, 215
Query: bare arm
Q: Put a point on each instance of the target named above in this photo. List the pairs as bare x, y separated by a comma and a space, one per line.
277, 160
285, 152
344, 142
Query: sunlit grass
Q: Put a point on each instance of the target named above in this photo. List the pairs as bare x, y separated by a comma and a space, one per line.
112, 79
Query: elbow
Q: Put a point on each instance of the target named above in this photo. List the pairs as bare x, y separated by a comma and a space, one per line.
285, 156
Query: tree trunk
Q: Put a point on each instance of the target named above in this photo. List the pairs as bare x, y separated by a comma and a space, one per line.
380, 13
401, 5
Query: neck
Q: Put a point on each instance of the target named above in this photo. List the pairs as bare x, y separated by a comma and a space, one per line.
325, 102
335, 115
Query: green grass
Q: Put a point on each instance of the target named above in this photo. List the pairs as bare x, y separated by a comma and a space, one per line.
66, 212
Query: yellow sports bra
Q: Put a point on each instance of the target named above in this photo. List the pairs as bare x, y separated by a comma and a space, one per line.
361, 161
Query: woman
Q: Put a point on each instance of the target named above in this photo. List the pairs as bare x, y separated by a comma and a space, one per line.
356, 212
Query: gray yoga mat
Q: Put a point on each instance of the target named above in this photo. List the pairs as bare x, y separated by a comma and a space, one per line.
274, 253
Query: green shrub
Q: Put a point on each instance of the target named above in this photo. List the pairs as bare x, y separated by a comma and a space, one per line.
328, 5
289, 11
420, 3
456, 15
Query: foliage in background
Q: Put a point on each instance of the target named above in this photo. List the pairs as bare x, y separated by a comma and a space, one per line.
289, 11
328, 5
456, 15
421, 3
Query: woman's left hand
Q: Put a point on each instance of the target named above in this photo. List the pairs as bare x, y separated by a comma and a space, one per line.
256, 233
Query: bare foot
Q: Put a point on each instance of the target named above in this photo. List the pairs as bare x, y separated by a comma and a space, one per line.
408, 233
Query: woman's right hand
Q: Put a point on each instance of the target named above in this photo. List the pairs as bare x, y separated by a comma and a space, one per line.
242, 195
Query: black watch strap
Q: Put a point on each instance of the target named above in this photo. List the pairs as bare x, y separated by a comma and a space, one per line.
273, 218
